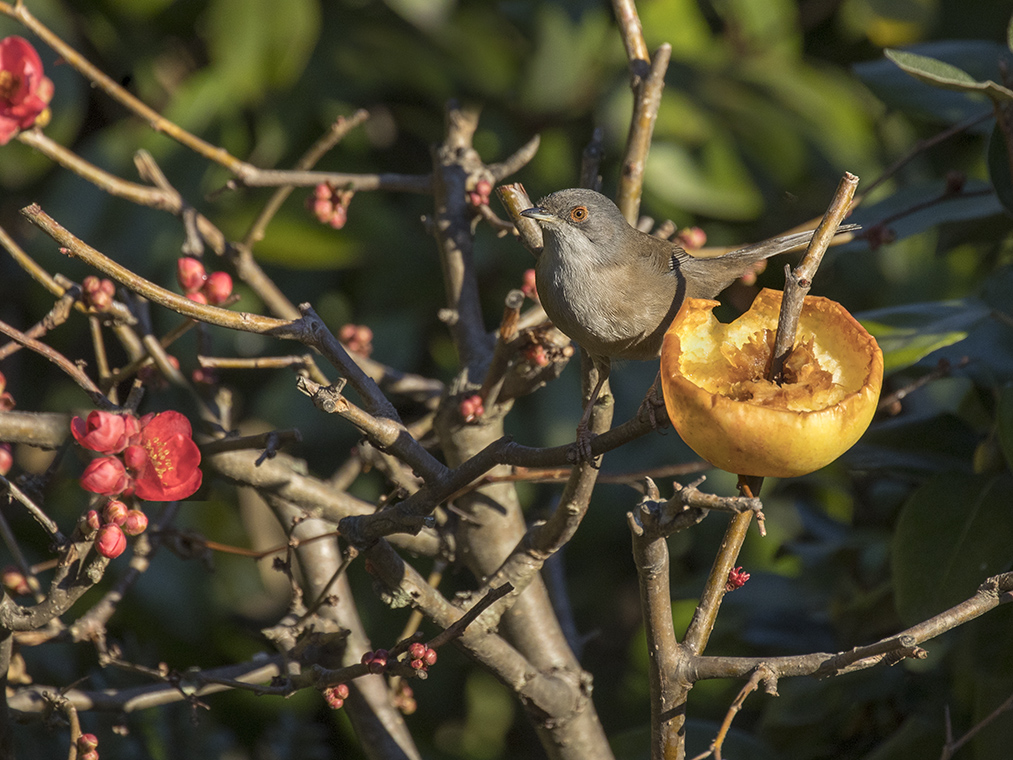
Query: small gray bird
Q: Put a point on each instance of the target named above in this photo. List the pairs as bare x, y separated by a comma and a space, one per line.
615, 290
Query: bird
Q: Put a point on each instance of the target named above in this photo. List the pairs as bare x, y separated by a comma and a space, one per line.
614, 290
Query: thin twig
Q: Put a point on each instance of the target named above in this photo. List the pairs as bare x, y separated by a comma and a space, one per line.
335, 134
799, 281
70, 368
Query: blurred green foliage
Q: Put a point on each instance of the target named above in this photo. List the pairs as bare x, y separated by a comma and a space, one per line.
766, 105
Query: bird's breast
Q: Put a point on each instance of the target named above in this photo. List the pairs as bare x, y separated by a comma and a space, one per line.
608, 310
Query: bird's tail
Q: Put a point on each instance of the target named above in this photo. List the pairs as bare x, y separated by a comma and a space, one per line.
783, 244
708, 276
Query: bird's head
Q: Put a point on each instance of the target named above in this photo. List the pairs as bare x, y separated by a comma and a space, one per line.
573, 219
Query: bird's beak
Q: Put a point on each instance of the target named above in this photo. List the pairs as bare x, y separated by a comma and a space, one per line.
538, 214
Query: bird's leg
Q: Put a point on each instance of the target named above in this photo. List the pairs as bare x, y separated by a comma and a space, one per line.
581, 451
652, 402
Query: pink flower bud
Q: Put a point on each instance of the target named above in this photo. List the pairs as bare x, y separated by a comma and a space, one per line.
416, 650
6, 458
6, 402
136, 522
91, 754
417, 664
15, 582
115, 512
323, 208
91, 285
104, 432
338, 217
323, 190
528, 286
190, 274
692, 238
87, 742
471, 408
135, 457
378, 661
357, 338
93, 519
536, 355
110, 541
429, 658
334, 698
106, 476
218, 287
198, 298
100, 301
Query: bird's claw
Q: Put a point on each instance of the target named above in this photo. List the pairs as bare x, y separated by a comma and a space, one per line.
649, 406
580, 452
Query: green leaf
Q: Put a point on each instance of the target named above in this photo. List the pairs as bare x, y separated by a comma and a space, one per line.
896, 88
941, 74
999, 167
953, 533
1004, 423
908, 333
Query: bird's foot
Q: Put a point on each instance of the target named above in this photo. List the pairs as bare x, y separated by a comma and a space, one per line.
580, 451
653, 401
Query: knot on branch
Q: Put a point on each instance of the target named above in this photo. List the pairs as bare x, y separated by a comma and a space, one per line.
687, 507
326, 398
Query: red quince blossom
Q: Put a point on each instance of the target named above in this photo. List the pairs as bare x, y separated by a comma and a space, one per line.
104, 432
165, 460
110, 541
106, 476
24, 91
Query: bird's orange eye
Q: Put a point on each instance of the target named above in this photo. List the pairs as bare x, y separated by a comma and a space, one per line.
579, 214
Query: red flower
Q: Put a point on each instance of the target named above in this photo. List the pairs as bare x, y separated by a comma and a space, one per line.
166, 460
24, 91
110, 541
104, 432
105, 475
